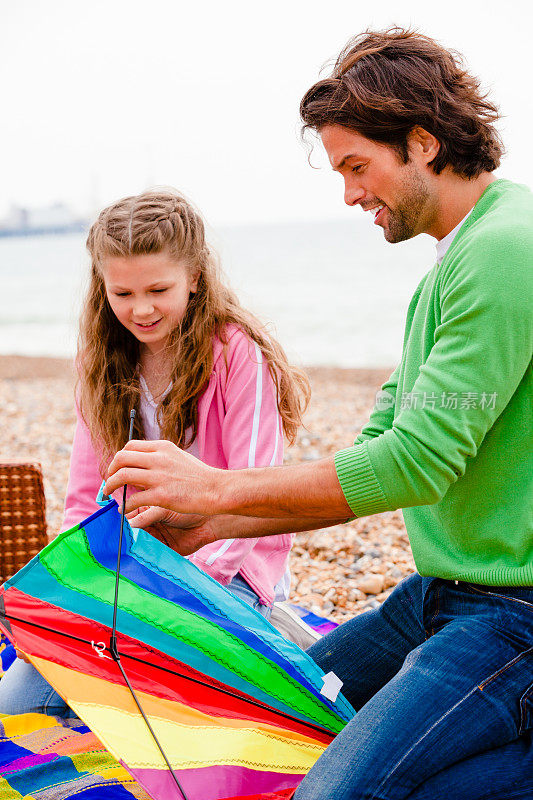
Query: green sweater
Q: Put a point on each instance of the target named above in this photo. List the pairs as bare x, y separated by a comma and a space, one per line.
454, 445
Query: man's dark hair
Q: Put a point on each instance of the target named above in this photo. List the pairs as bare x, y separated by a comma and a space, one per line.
384, 83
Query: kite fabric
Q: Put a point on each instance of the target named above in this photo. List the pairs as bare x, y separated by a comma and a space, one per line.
238, 710
48, 758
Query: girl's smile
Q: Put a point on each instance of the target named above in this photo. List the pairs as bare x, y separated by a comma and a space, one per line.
145, 326
148, 294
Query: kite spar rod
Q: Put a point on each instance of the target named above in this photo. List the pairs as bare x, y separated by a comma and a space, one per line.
113, 649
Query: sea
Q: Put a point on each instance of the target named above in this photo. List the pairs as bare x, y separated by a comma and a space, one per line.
334, 292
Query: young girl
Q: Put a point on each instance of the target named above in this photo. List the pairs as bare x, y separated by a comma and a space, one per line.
160, 332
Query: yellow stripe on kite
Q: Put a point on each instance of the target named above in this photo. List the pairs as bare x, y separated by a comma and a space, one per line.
80, 687
190, 747
189, 737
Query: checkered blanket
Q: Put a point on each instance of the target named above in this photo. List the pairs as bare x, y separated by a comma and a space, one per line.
47, 758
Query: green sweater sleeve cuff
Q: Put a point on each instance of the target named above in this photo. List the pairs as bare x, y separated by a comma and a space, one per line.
358, 481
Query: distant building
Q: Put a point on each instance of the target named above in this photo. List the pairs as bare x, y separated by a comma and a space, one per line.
57, 218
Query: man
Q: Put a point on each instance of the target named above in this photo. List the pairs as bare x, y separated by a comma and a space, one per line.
442, 673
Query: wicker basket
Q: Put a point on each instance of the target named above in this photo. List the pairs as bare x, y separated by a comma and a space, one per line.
22, 516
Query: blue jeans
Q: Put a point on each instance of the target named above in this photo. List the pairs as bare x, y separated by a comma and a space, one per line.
442, 678
23, 690
241, 588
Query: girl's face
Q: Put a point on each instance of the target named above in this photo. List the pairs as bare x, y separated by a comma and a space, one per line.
148, 294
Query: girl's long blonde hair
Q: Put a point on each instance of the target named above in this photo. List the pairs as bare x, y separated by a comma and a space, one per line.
108, 354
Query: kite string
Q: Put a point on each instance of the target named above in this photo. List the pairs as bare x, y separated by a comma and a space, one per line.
156, 740
113, 642
113, 649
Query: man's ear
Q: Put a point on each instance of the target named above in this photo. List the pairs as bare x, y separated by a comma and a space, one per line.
422, 144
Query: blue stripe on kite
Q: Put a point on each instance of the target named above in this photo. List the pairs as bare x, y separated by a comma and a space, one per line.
152, 552
233, 608
42, 585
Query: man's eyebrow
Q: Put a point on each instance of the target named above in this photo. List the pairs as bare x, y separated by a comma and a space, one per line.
344, 160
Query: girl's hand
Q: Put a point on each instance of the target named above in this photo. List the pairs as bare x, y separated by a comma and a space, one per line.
21, 655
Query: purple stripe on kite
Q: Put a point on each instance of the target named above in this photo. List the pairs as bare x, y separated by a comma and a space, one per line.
213, 783
27, 762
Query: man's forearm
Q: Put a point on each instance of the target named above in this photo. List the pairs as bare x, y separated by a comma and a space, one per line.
230, 526
302, 491
168, 477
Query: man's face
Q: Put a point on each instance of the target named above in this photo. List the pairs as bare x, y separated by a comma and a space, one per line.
399, 195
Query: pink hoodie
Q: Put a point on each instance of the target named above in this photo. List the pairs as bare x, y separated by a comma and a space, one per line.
238, 426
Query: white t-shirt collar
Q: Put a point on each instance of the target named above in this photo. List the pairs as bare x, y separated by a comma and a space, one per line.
443, 244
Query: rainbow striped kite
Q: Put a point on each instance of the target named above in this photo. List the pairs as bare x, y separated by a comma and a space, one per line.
237, 709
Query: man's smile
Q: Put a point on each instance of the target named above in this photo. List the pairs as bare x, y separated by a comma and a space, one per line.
378, 213
377, 210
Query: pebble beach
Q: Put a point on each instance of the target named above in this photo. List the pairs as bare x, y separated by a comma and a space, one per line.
337, 572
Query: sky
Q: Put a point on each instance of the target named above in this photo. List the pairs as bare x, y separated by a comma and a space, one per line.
108, 98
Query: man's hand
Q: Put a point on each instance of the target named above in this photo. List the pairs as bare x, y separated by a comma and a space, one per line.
166, 475
170, 478
184, 533
146, 516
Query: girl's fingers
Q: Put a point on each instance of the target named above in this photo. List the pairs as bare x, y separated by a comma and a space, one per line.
23, 657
